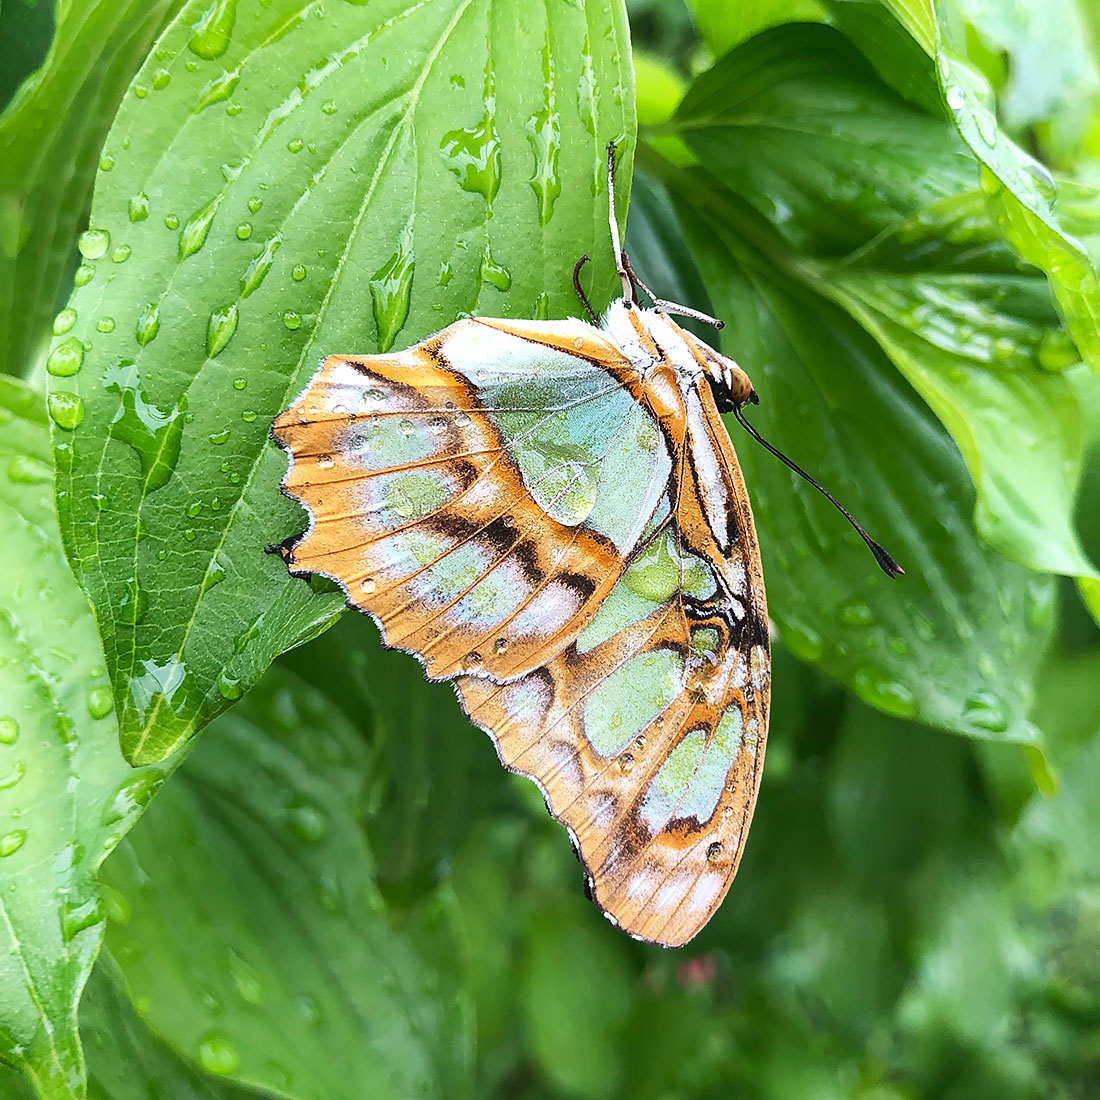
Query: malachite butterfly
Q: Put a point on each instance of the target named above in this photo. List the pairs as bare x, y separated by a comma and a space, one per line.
551, 515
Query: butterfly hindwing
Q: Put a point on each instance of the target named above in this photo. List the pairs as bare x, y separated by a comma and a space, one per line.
510, 503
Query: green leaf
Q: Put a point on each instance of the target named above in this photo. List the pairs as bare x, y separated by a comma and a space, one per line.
954, 642
1021, 192
294, 186
576, 995
51, 134
248, 926
974, 334
723, 25
66, 794
418, 729
904, 244
125, 1059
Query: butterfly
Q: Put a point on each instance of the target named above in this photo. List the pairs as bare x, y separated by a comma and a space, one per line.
551, 515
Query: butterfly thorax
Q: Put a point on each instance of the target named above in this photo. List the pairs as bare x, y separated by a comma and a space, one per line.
655, 343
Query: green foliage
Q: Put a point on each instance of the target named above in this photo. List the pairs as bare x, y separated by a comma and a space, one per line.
339, 894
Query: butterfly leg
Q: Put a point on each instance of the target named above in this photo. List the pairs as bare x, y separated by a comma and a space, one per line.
620, 267
580, 293
662, 305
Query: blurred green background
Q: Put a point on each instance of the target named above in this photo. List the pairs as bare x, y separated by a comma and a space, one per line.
340, 894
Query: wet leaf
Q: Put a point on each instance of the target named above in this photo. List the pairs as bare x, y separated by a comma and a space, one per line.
51, 134
66, 794
285, 186
905, 244
249, 928
956, 641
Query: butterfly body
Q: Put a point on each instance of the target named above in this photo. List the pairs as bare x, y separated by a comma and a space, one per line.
551, 515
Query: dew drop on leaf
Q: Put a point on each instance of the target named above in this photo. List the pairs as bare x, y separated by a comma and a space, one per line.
66, 409
216, 1054
220, 330
10, 843
64, 321
9, 731
67, 358
211, 33
138, 207
100, 702
93, 243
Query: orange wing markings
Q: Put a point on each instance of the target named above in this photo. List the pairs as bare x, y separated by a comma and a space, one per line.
487, 515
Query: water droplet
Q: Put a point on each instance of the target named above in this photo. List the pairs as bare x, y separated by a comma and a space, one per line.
64, 321
161, 79
474, 155
171, 221
24, 470
328, 107
249, 415
66, 409
325, 461
94, 243
105, 324
986, 125
222, 326
494, 273
140, 91
244, 231
138, 207
148, 324
240, 383
367, 585
501, 645
9, 731
298, 273
1056, 350
295, 145
10, 843
211, 33
218, 89
986, 712
154, 432
218, 438
246, 980
229, 687
13, 777
406, 427
390, 291
66, 359
855, 613
106, 163
955, 98
84, 275
544, 135
100, 702
887, 695
193, 235
626, 762
714, 850
78, 916
292, 320
306, 822
121, 254
257, 270
217, 1054
133, 604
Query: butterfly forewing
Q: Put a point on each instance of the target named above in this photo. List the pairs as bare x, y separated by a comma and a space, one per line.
516, 505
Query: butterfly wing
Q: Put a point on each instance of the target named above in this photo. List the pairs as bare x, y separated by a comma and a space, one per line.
503, 499
469, 493
647, 733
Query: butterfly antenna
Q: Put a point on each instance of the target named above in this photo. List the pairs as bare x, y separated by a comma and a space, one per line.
885, 561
